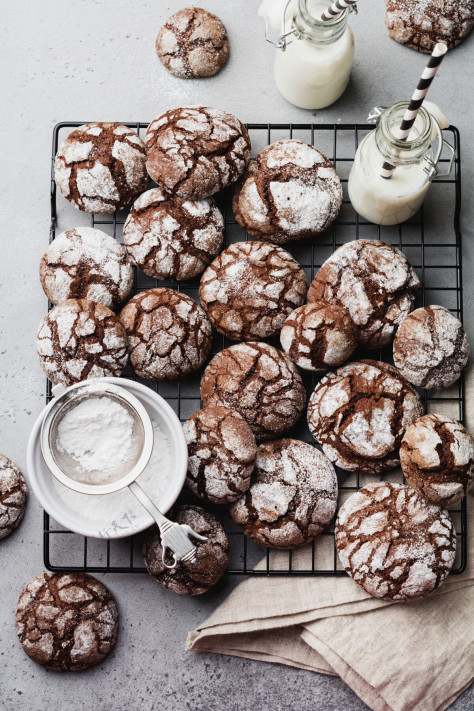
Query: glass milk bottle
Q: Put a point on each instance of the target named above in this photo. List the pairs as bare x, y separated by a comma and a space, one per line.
313, 58
391, 201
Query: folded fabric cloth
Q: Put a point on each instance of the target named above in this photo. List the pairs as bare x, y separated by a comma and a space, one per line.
415, 656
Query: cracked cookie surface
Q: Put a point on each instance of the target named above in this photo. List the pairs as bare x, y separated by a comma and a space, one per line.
13, 496
84, 263
66, 621
431, 348
81, 339
195, 152
212, 555
319, 336
168, 333
249, 290
100, 167
359, 414
260, 383
393, 543
420, 24
193, 43
169, 238
292, 496
289, 191
437, 458
374, 281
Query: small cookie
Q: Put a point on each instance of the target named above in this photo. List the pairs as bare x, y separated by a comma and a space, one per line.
193, 43
359, 414
431, 348
66, 621
170, 238
374, 281
421, 24
13, 496
319, 336
84, 263
81, 339
437, 458
221, 454
394, 544
292, 497
168, 333
195, 152
250, 289
290, 191
100, 167
212, 555
258, 381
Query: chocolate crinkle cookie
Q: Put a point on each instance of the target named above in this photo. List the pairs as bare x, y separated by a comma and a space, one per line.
420, 24
100, 167
437, 458
290, 191
193, 43
250, 289
431, 348
359, 414
13, 496
170, 238
260, 383
319, 336
66, 621
81, 339
84, 263
374, 281
212, 555
393, 543
221, 454
195, 152
168, 333
292, 497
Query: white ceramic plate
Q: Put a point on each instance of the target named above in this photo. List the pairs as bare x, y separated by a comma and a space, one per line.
119, 514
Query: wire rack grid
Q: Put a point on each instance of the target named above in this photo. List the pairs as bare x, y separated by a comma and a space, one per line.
431, 241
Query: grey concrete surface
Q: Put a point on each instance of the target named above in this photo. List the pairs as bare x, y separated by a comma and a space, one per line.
95, 60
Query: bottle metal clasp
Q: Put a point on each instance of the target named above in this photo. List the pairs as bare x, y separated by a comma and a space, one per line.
282, 41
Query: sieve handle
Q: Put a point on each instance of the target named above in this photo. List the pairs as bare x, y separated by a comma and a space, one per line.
174, 537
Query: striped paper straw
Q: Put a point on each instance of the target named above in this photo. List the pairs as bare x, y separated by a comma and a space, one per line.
417, 99
336, 8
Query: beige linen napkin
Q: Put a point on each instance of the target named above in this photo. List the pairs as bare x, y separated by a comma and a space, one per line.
397, 657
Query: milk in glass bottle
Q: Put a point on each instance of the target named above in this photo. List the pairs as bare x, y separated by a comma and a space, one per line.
313, 57
391, 201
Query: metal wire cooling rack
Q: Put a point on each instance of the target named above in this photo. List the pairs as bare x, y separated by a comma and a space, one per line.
431, 241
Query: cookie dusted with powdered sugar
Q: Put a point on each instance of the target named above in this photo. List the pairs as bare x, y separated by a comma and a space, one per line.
292, 497
260, 383
84, 263
66, 621
420, 24
319, 336
212, 554
170, 238
169, 334
393, 543
221, 454
193, 43
437, 458
100, 167
249, 290
290, 191
195, 152
374, 281
81, 339
13, 496
431, 348
359, 414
